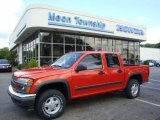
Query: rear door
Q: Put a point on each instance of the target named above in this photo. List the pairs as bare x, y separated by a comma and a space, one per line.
115, 71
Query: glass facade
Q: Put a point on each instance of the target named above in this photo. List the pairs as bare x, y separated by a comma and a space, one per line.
47, 46
30, 48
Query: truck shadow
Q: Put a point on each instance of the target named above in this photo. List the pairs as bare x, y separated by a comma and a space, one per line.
76, 105
97, 99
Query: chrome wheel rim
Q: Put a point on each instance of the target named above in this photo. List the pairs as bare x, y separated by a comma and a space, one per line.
52, 105
134, 89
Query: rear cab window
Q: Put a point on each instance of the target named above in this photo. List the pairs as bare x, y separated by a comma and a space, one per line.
92, 61
112, 60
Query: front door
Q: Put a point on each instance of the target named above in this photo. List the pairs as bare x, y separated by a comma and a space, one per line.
91, 80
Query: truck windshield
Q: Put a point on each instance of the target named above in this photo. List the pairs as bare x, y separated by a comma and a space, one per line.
67, 60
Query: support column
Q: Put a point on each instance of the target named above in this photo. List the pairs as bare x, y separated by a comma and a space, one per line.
19, 51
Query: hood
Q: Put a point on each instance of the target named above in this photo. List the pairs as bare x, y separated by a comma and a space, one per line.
39, 72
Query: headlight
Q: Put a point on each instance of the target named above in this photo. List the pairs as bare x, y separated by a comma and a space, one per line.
24, 84
25, 81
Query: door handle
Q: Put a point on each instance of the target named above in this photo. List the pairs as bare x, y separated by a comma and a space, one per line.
119, 71
101, 73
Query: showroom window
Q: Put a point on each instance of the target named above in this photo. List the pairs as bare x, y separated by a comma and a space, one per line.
104, 44
131, 54
69, 43
80, 43
90, 45
47, 46
30, 48
98, 43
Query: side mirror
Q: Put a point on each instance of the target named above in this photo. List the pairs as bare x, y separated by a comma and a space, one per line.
81, 67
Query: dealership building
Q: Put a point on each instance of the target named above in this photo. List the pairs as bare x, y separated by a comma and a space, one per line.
45, 33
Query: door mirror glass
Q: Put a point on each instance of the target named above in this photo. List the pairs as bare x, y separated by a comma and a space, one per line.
81, 67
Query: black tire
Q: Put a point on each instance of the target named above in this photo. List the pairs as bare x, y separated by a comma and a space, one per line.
130, 86
48, 97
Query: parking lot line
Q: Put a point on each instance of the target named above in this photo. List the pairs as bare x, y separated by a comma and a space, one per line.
154, 80
150, 87
153, 84
154, 104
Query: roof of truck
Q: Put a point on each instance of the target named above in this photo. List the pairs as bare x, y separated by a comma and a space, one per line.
95, 52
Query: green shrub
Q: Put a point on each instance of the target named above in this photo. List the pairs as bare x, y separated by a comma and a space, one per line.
146, 62
32, 63
21, 66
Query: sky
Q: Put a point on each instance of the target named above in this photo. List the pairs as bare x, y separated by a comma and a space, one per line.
142, 12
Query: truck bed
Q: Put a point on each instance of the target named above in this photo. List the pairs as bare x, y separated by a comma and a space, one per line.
130, 65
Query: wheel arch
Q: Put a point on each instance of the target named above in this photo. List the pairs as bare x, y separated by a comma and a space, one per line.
137, 76
59, 84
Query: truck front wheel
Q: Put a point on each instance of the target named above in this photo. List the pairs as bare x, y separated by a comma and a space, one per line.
133, 88
50, 104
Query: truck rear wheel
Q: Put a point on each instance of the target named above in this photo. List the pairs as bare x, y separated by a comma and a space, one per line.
133, 88
50, 104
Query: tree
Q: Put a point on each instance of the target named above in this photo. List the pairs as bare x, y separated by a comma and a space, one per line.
148, 45
12, 57
4, 52
157, 45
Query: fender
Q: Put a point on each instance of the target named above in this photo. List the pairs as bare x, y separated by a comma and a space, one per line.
48, 82
133, 74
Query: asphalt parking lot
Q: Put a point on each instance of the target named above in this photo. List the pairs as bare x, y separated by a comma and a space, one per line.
110, 106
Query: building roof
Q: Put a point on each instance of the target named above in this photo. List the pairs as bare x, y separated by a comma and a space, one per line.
36, 17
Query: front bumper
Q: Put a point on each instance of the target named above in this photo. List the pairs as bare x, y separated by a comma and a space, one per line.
24, 100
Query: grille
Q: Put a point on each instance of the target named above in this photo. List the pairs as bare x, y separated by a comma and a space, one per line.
16, 86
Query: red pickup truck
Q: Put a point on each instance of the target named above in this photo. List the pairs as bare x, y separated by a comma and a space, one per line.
75, 75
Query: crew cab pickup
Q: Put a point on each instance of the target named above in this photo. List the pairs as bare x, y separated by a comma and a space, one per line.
74, 75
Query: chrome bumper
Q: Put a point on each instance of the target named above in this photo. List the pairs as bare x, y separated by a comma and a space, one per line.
21, 99
12, 92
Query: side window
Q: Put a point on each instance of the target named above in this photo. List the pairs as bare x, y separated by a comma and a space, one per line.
112, 60
92, 61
